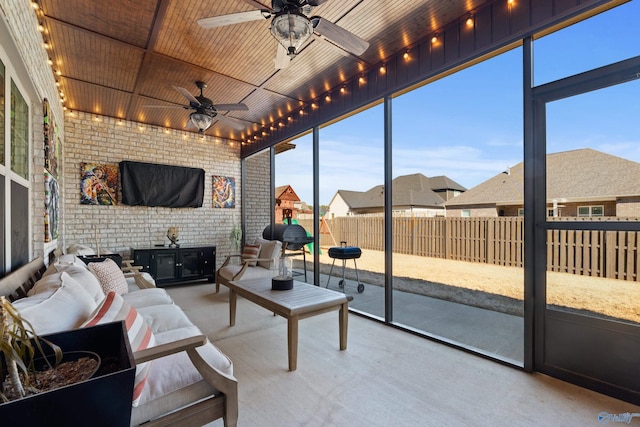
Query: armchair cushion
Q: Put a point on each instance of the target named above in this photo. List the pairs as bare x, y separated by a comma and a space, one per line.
269, 250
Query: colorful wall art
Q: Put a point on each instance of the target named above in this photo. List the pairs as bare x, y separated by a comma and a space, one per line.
52, 207
51, 143
98, 184
224, 192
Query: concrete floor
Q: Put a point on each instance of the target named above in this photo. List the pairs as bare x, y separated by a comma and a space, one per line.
485, 330
384, 378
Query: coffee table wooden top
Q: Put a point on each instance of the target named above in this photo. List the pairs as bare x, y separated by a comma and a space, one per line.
303, 298
302, 301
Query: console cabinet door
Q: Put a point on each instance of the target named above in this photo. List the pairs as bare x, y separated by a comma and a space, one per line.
164, 265
190, 263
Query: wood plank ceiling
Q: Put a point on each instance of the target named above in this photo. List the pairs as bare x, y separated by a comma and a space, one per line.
113, 58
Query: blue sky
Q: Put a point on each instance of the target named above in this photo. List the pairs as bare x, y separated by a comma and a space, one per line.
468, 126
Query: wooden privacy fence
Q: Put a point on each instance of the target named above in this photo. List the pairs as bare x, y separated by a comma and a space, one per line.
498, 241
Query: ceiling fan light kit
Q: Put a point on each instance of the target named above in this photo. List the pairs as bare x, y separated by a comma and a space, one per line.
201, 121
291, 30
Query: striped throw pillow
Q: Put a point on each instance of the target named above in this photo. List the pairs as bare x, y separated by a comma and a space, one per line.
251, 252
114, 309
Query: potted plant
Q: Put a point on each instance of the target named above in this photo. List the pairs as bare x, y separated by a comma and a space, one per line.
103, 399
236, 237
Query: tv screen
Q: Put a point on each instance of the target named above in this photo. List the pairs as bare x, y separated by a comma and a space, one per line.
149, 184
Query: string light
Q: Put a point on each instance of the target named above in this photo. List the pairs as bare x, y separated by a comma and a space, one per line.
470, 21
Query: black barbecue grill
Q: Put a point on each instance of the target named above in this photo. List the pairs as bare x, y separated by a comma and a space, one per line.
293, 237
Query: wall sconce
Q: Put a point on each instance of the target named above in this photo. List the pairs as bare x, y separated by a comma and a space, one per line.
406, 55
327, 98
434, 39
343, 89
362, 80
383, 69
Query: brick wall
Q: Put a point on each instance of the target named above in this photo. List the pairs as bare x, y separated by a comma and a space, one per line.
97, 139
257, 193
34, 74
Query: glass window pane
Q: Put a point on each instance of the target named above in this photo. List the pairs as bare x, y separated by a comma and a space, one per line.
352, 187
19, 133
595, 272
461, 276
294, 198
606, 38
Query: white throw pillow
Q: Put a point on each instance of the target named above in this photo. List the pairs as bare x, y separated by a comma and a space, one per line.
79, 272
61, 305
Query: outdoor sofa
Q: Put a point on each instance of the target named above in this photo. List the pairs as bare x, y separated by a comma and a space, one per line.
189, 381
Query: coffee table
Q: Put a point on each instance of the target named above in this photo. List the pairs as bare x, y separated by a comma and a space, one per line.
303, 301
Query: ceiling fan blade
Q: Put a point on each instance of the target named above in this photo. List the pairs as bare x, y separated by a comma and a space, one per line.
231, 107
229, 121
256, 4
234, 18
281, 60
339, 36
182, 107
315, 3
192, 99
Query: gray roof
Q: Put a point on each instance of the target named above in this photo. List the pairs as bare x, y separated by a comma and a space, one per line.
583, 174
408, 190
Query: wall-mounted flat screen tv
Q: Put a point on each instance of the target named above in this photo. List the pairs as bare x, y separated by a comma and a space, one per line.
149, 184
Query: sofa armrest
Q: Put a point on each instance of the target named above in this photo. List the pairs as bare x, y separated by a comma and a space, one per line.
169, 348
130, 270
226, 384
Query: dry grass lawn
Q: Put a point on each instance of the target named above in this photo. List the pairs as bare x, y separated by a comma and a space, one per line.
473, 281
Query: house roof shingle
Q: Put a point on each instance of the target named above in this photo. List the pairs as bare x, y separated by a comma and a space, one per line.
408, 190
576, 175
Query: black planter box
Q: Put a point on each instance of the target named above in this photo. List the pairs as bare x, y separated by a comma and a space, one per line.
103, 400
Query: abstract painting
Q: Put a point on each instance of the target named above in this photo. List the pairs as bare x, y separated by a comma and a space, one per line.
224, 192
52, 207
98, 184
51, 142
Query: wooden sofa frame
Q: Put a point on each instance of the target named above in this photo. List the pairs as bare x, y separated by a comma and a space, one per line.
224, 405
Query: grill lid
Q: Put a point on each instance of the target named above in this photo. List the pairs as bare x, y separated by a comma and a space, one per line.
294, 235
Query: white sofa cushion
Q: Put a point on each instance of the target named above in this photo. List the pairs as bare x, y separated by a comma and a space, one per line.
147, 297
62, 304
229, 271
173, 380
269, 249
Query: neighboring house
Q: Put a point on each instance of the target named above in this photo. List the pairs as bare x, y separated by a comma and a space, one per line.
582, 183
286, 200
413, 194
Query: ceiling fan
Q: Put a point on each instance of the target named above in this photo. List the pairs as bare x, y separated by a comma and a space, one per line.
291, 27
205, 110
